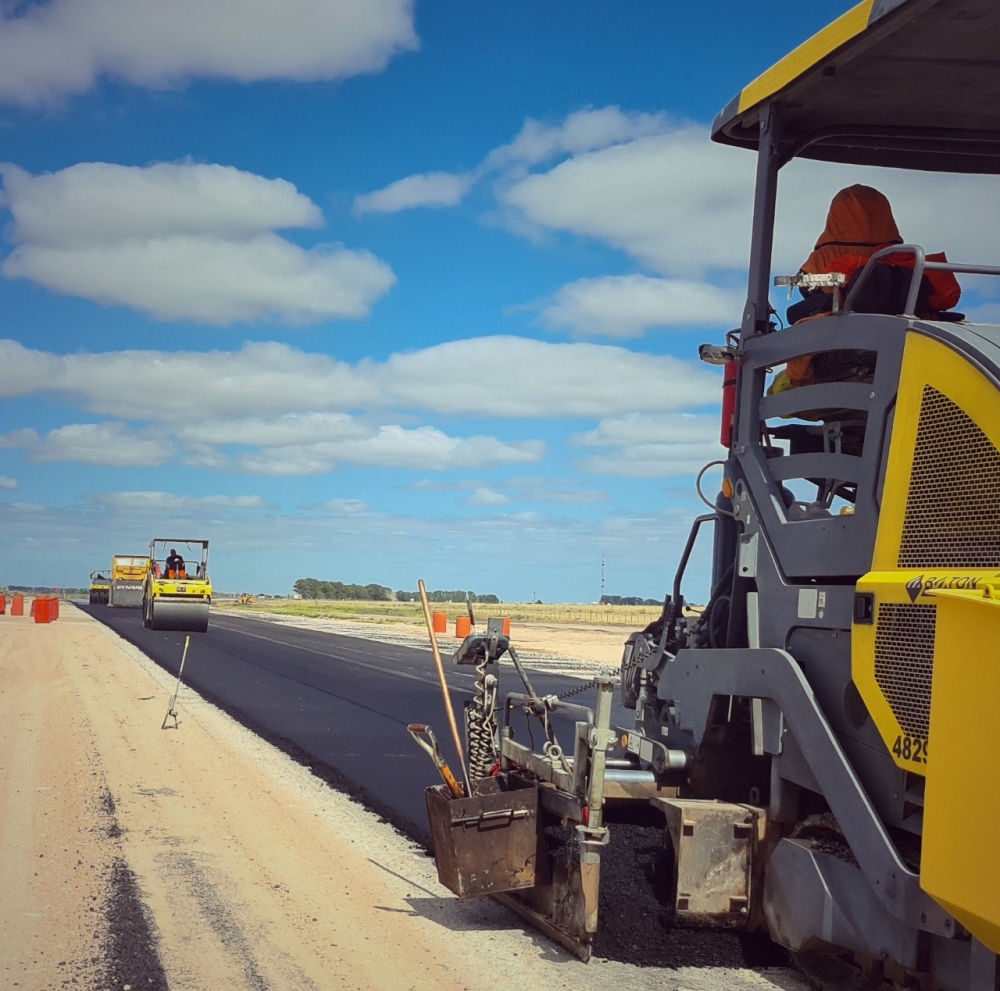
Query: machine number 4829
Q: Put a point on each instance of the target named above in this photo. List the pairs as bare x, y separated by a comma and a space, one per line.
911, 748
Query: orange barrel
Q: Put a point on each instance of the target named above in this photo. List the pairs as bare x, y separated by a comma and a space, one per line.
55, 606
506, 626
17, 605
41, 609
463, 625
3, 604
440, 622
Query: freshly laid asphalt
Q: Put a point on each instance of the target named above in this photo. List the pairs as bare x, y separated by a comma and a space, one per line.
339, 704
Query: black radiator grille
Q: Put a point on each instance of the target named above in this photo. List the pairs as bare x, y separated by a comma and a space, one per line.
953, 507
904, 662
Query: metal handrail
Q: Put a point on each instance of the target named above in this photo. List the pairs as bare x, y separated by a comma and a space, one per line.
920, 265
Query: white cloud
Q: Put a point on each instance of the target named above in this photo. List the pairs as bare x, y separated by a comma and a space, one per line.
292, 428
101, 203
106, 444
516, 376
257, 380
282, 462
638, 428
487, 497
652, 460
567, 497
167, 502
553, 490
183, 241
213, 281
428, 447
675, 202
652, 446
681, 205
392, 446
25, 437
527, 489
8, 483
24, 371
62, 47
431, 190
312, 443
273, 410
346, 507
487, 376
628, 305
583, 130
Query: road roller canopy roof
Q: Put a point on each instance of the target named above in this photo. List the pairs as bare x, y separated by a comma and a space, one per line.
911, 84
192, 550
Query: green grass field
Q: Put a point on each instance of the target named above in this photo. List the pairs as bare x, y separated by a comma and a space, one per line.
634, 617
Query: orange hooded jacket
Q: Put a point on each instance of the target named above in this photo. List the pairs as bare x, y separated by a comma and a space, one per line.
859, 223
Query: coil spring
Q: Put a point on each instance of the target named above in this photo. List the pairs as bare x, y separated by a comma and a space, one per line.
481, 723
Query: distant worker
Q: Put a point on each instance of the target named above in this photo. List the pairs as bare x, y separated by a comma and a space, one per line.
860, 223
175, 564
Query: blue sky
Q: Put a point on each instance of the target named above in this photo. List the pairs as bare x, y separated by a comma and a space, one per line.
375, 291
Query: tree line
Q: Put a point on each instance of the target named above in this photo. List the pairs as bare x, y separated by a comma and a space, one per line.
440, 596
314, 588
628, 600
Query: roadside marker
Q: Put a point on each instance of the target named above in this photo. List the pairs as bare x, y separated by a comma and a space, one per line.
172, 707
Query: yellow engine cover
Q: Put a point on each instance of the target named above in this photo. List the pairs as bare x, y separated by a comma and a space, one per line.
895, 655
927, 621
191, 588
960, 862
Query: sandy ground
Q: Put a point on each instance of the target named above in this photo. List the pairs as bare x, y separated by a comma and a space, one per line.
133, 856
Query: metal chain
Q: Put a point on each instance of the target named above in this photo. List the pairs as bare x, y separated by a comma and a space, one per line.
569, 693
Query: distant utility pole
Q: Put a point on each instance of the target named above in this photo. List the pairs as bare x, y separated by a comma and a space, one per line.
602, 577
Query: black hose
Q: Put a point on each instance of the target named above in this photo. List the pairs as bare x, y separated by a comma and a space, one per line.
706, 629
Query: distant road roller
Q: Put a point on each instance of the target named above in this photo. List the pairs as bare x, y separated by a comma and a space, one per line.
177, 593
100, 588
127, 574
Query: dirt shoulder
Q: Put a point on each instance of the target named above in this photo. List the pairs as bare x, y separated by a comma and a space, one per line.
133, 856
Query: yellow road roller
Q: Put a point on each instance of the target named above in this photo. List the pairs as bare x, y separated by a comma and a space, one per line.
177, 592
127, 574
100, 588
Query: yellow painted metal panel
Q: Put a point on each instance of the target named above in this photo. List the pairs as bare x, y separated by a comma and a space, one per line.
842, 30
960, 862
927, 362
894, 656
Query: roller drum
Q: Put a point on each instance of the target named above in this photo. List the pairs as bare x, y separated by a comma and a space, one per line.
191, 617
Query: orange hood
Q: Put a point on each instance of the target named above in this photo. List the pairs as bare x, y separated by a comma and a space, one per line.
860, 222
